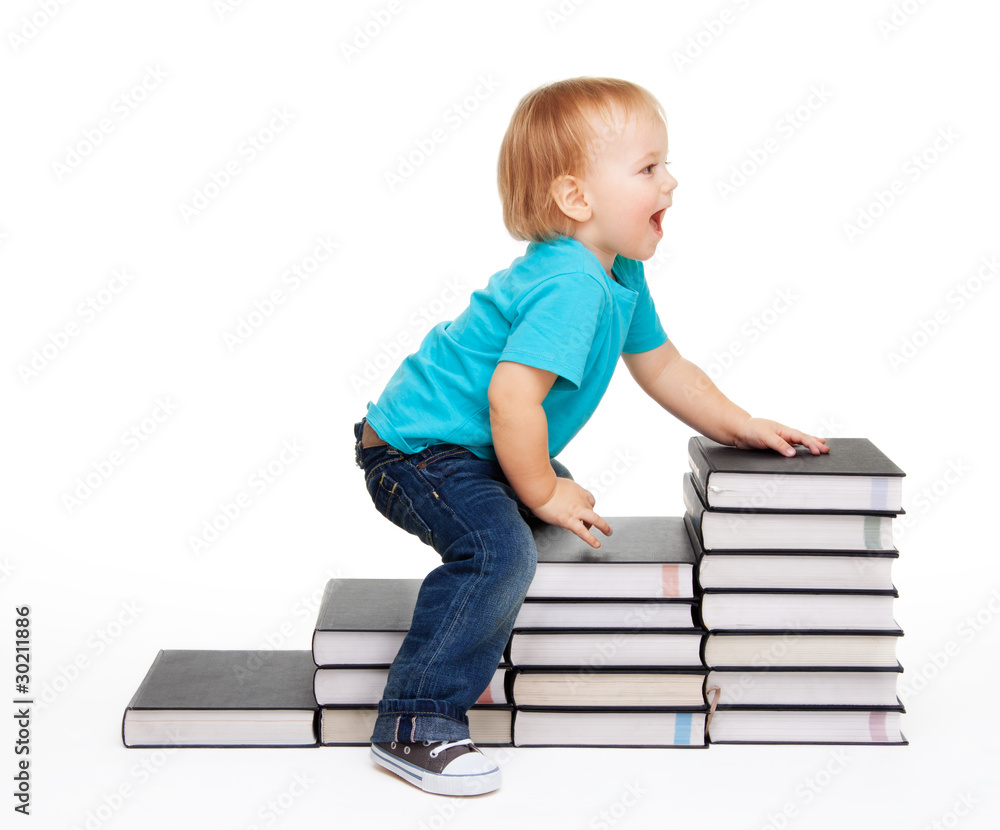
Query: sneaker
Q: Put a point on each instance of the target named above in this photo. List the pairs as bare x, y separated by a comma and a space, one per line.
442, 767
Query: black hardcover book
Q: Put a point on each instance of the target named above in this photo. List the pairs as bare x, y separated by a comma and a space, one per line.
223, 698
855, 476
353, 725
644, 557
638, 614
791, 569
807, 725
726, 529
363, 621
756, 687
597, 648
730, 650
557, 726
363, 685
781, 610
670, 687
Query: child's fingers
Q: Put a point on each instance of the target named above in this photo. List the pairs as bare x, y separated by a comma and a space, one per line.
581, 527
586, 535
815, 445
599, 523
775, 442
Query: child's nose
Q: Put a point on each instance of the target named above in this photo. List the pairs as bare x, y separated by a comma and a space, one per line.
669, 183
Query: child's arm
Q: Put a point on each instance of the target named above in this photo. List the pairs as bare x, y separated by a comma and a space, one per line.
688, 394
521, 440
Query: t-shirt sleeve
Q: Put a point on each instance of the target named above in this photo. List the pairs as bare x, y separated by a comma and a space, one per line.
645, 331
554, 325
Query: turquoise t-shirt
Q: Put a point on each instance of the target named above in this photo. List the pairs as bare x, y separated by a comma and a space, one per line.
554, 308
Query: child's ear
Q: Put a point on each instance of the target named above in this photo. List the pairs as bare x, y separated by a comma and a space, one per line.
567, 192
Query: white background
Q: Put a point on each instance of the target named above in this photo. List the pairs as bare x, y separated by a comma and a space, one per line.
113, 577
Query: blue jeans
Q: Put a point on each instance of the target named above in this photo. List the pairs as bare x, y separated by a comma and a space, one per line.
463, 507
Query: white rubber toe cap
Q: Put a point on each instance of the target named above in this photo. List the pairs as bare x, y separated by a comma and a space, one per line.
472, 763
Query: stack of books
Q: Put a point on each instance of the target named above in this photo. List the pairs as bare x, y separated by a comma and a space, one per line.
794, 563
359, 628
771, 599
606, 649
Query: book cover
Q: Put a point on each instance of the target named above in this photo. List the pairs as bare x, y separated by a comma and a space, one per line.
854, 476
363, 621
214, 698
644, 557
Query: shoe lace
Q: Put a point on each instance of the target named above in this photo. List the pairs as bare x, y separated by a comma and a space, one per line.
446, 745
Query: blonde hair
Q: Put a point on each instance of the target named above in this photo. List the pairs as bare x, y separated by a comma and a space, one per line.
551, 134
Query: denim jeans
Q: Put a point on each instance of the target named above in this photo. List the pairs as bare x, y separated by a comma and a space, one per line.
464, 508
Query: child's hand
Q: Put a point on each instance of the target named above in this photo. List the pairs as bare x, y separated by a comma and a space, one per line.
761, 434
572, 507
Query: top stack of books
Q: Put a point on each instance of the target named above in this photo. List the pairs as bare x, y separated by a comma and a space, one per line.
794, 561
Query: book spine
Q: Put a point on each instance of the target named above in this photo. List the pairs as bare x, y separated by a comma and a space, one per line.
496, 691
700, 467
508, 688
694, 508
137, 697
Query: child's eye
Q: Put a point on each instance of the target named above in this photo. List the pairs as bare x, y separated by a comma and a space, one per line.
648, 168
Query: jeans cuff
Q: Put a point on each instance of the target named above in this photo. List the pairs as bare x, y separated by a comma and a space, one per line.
419, 720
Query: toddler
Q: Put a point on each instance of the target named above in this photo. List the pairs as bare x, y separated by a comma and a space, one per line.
460, 448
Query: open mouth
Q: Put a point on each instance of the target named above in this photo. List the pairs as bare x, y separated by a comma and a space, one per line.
656, 220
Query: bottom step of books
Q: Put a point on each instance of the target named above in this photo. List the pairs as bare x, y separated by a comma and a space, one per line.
224, 698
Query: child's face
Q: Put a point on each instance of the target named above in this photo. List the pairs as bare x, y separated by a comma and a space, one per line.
627, 189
